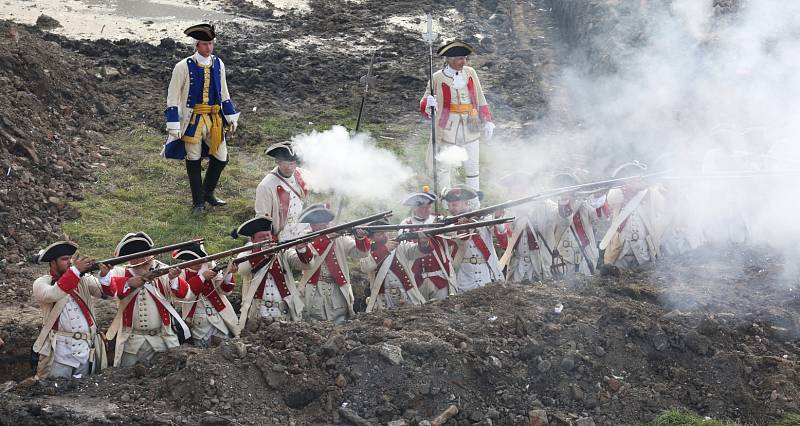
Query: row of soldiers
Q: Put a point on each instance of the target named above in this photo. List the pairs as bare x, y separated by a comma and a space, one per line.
547, 239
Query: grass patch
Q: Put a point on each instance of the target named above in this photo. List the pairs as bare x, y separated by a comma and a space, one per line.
789, 420
144, 192
675, 417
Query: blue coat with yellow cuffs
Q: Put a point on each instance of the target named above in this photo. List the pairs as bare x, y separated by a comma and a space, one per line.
198, 96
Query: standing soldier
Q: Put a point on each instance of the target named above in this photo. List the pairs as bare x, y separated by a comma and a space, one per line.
68, 345
329, 295
389, 268
475, 260
208, 313
522, 259
281, 193
145, 315
569, 239
268, 289
421, 204
462, 117
198, 109
635, 233
433, 273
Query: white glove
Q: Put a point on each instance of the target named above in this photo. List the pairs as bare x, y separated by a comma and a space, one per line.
174, 133
232, 126
488, 130
432, 102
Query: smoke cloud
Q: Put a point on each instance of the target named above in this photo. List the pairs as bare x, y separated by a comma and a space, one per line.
350, 166
690, 89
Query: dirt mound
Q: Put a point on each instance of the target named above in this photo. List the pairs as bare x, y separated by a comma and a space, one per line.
50, 124
620, 352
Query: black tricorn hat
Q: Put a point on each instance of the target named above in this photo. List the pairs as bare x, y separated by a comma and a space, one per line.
455, 48
194, 251
249, 228
316, 213
54, 251
282, 151
134, 244
130, 235
201, 32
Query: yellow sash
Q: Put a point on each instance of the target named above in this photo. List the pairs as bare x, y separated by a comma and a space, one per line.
210, 118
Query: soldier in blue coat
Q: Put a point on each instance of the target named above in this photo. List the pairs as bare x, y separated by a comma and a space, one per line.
199, 111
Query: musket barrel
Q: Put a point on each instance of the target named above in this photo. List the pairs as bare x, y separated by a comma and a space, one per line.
209, 258
454, 228
152, 252
310, 236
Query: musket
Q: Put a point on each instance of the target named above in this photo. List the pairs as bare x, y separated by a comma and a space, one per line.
543, 195
308, 237
453, 228
152, 252
430, 37
367, 80
399, 227
189, 263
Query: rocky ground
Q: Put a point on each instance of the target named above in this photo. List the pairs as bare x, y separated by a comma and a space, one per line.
715, 331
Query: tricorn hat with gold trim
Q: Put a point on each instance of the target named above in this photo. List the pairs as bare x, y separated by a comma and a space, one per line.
455, 48
201, 32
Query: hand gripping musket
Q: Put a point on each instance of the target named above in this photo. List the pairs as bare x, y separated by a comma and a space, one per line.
152, 252
306, 238
430, 37
452, 228
603, 184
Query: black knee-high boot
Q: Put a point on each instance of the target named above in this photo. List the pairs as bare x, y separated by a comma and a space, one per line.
213, 173
193, 170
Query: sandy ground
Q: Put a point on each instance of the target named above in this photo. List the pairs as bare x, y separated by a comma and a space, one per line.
147, 20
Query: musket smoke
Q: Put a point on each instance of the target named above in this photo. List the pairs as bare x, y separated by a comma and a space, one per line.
350, 165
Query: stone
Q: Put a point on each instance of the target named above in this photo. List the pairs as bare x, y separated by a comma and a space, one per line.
584, 421
400, 422
277, 377
531, 351
340, 381
538, 418
614, 385
577, 393
543, 366
567, 364
495, 362
108, 71
125, 397
392, 353
240, 349
47, 22
599, 351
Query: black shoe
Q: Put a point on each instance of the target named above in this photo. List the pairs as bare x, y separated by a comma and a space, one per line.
213, 173
198, 209
214, 201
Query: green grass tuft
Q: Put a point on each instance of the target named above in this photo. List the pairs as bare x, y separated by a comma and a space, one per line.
144, 192
675, 417
789, 420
